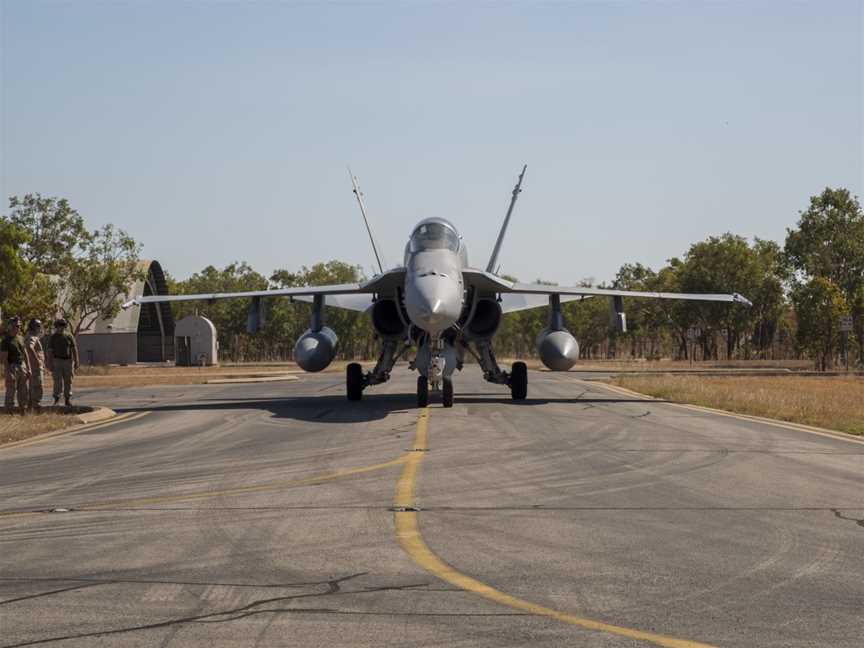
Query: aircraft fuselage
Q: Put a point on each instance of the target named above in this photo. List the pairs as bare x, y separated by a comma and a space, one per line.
434, 287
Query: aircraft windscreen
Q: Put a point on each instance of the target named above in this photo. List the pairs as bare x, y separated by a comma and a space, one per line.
434, 236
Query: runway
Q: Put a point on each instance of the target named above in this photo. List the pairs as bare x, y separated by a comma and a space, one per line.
280, 514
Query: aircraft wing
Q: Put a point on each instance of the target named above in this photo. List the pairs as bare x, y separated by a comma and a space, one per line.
512, 302
335, 289
542, 289
509, 290
352, 296
360, 302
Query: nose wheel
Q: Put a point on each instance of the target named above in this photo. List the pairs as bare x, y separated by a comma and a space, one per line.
422, 391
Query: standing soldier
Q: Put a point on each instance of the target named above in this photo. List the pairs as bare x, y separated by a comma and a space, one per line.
36, 357
62, 361
13, 359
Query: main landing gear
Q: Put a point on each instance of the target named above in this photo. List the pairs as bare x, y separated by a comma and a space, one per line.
519, 381
354, 381
516, 380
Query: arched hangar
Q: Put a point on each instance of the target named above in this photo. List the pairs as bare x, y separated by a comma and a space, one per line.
143, 334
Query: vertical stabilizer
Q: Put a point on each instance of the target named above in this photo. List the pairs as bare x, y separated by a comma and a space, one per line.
516, 190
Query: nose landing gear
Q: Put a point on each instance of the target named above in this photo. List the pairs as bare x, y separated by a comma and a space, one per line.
423, 391
437, 359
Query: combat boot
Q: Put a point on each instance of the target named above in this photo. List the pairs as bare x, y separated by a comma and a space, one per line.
68, 402
56, 400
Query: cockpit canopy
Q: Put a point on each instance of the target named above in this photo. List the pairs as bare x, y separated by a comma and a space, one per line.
434, 234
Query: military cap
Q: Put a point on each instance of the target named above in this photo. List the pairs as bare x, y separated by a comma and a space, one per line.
60, 323
13, 321
34, 324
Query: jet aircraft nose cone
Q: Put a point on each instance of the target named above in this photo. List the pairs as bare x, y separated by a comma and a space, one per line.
433, 302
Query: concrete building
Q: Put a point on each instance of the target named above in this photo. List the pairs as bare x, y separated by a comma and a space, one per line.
139, 334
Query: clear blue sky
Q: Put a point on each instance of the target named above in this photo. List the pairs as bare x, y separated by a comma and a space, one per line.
216, 131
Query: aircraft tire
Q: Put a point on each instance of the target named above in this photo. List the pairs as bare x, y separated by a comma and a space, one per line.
422, 391
447, 392
519, 381
354, 381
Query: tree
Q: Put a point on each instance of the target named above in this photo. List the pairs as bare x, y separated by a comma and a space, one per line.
76, 272
55, 232
100, 277
14, 270
769, 301
353, 329
641, 313
23, 291
829, 242
819, 304
227, 315
721, 264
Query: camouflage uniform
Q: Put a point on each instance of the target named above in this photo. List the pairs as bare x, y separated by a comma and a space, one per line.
36, 356
16, 372
63, 361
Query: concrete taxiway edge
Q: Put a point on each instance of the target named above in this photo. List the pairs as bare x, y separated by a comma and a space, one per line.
261, 379
98, 418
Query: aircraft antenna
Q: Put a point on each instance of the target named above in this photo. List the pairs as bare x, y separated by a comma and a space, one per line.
516, 191
359, 195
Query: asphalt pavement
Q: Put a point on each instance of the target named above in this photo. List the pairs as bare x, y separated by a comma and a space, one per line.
280, 514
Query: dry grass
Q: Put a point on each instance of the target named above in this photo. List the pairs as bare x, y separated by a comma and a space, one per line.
167, 369
670, 365
17, 428
836, 403
139, 375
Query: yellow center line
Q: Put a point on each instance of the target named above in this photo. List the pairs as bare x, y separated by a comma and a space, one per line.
411, 541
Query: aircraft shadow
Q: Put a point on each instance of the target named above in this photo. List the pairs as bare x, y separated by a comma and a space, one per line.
337, 409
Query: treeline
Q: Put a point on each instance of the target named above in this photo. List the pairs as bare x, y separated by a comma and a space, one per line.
51, 265
801, 291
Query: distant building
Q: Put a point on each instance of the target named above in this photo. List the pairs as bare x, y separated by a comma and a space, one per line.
196, 342
139, 334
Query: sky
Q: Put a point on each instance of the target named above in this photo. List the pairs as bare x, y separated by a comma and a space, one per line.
216, 132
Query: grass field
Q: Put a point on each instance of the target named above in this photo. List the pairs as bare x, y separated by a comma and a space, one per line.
16, 428
139, 375
836, 403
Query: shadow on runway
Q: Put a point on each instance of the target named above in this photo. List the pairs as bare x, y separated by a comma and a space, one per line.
373, 407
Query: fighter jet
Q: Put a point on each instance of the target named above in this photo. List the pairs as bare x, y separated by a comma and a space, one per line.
440, 305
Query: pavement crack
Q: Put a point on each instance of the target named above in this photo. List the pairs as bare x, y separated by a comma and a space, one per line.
334, 587
839, 515
49, 593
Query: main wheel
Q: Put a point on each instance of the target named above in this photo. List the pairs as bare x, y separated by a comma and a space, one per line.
519, 381
422, 391
354, 381
447, 392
